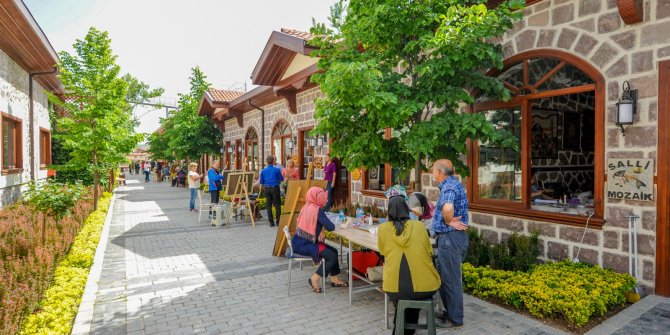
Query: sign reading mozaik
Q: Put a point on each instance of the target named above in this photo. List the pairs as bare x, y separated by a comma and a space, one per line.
630, 179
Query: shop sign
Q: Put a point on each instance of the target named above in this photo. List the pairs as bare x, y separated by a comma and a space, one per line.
630, 179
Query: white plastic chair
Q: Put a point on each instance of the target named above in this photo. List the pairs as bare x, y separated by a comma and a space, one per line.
202, 206
300, 258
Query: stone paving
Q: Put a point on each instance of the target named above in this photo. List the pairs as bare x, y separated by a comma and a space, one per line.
166, 273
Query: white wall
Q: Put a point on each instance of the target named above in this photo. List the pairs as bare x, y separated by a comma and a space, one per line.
14, 101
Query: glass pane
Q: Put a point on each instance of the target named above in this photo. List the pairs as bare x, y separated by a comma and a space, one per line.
376, 178
567, 76
513, 75
7, 144
499, 170
539, 67
276, 144
406, 181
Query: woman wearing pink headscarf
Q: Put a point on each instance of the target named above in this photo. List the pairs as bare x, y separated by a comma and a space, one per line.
309, 235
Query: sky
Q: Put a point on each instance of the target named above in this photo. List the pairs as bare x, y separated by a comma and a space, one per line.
159, 41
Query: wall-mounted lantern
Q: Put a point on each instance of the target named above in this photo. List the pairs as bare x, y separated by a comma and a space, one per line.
626, 108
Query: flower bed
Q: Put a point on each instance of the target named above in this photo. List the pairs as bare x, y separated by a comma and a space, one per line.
26, 265
574, 291
58, 308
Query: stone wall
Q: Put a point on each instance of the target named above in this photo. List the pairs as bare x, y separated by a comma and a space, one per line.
594, 31
14, 101
275, 112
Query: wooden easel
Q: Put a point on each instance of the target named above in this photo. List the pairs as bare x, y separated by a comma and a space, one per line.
238, 183
295, 200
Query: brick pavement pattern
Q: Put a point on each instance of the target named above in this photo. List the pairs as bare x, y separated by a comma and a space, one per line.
166, 273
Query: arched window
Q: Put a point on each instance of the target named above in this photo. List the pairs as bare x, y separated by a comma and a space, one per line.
281, 135
251, 149
556, 113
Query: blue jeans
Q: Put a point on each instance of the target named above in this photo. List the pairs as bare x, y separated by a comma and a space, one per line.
194, 193
451, 250
329, 190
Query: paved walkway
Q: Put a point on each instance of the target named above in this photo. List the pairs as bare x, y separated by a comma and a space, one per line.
165, 273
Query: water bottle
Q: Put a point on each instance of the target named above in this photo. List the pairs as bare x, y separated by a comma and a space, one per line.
341, 216
359, 215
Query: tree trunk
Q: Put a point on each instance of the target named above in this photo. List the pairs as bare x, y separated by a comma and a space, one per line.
417, 175
96, 180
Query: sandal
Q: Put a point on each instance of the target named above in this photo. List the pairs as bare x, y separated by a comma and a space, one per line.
314, 288
342, 284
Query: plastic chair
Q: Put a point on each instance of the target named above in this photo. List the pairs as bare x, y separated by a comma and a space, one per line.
202, 206
426, 305
300, 258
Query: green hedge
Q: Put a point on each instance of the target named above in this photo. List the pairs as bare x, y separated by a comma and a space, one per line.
574, 291
58, 308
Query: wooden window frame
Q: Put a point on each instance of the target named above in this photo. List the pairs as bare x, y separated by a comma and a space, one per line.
238, 154
45, 148
302, 133
281, 138
249, 142
18, 144
387, 176
227, 155
523, 210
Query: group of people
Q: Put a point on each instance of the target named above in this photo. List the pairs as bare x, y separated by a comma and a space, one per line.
410, 272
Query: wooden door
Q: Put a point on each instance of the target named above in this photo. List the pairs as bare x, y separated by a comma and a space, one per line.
663, 172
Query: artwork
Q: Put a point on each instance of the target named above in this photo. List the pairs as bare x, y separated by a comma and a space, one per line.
374, 173
572, 134
544, 133
318, 162
631, 179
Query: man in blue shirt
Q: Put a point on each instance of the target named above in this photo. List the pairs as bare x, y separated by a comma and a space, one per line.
270, 178
215, 182
449, 223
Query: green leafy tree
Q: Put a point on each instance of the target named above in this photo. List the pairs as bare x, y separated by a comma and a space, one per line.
186, 134
408, 66
97, 128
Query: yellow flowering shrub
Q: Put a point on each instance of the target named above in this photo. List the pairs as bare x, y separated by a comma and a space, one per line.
574, 291
60, 304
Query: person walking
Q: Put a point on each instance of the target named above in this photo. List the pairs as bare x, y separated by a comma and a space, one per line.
130, 167
215, 182
270, 178
137, 167
147, 171
193, 184
330, 174
450, 221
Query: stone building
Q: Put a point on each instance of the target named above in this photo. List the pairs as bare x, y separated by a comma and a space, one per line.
27, 71
572, 66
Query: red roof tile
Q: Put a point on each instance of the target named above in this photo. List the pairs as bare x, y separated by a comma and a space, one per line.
224, 95
297, 33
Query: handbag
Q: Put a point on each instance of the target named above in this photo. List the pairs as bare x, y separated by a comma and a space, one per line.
375, 273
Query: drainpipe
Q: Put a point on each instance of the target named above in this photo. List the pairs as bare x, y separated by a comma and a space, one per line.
262, 131
31, 115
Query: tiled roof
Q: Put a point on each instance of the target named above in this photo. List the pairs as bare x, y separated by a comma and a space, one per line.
224, 95
297, 33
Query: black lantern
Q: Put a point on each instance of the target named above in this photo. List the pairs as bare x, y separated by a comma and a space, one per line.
626, 108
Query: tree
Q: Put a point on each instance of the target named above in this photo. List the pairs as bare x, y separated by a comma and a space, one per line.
97, 127
407, 66
184, 133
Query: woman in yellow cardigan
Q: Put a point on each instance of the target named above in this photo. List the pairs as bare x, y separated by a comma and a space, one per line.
409, 273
